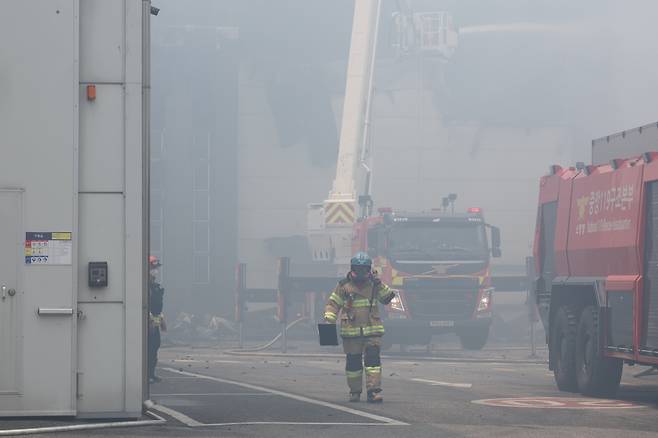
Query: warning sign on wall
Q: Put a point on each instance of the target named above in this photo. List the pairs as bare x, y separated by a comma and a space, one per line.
48, 248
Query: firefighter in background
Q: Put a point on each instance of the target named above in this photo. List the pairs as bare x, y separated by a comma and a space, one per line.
156, 318
356, 298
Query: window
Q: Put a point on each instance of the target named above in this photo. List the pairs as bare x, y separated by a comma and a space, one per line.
548, 219
201, 269
201, 210
438, 241
201, 237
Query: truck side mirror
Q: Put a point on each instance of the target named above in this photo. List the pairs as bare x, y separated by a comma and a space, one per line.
495, 242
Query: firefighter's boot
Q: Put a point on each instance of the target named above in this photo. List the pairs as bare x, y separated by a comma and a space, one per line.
375, 396
355, 381
373, 372
355, 397
354, 373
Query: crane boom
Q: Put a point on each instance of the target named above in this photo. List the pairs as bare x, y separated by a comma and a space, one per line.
356, 106
330, 223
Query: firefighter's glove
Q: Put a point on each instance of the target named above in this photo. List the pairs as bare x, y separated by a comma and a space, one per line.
387, 299
330, 318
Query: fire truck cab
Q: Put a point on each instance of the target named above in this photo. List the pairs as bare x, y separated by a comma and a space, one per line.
439, 262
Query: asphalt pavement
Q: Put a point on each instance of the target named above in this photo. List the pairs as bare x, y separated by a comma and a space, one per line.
213, 392
501, 391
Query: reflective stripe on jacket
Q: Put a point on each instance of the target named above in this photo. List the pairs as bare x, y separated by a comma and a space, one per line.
359, 316
156, 320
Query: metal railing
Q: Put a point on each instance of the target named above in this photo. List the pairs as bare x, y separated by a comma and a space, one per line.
312, 290
289, 290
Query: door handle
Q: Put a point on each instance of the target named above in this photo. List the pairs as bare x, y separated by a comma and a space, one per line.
50, 311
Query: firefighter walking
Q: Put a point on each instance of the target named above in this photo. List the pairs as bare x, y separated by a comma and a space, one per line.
356, 300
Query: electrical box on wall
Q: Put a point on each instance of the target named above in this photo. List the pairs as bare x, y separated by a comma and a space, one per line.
98, 274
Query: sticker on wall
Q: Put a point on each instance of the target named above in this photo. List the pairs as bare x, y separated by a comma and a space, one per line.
51, 248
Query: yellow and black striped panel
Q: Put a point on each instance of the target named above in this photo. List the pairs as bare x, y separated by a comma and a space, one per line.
339, 213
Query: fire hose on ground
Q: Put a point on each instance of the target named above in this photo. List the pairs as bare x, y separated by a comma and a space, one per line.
276, 338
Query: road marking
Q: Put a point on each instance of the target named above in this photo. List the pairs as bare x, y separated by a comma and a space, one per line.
210, 394
558, 403
406, 363
293, 423
468, 361
632, 384
448, 384
463, 361
191, 422
206, 361
386, 420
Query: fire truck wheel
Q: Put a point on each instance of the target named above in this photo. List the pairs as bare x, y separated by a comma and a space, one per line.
474, 339
596, 374
563, 348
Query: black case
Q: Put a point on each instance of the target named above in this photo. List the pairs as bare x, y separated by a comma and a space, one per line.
328, 334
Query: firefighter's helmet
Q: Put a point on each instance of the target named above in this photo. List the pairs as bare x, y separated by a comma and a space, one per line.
361, 259
361, 265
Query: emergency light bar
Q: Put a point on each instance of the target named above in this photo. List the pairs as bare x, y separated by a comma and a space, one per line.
475, 210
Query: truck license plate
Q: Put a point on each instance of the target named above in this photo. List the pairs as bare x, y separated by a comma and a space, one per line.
442, 323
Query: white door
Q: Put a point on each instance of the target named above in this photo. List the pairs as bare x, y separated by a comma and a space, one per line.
39, 118
11, 311
37, 318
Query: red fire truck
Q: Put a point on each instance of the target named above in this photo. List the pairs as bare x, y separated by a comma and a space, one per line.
596, 257
440, 264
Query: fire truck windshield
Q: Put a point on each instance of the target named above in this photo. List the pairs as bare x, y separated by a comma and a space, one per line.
438, 241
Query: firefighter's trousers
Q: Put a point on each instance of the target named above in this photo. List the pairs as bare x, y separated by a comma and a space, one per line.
153, 347
360, 352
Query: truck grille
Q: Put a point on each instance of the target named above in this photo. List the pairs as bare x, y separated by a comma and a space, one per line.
441, 298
